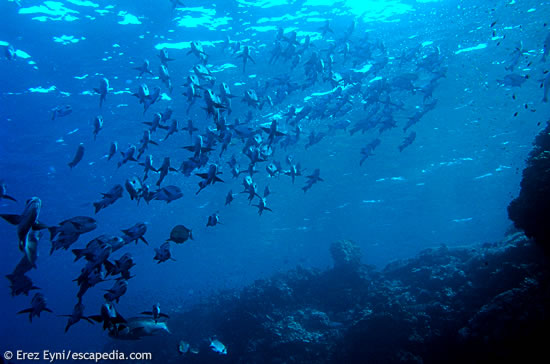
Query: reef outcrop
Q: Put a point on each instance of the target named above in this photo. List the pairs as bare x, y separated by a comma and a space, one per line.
482, 303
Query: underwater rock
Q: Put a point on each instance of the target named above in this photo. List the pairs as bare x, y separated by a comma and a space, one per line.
530, 211
479, 303
345, 254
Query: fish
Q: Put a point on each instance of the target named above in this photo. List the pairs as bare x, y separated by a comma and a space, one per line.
407, 141
198, 51
262, 206
148, 166
61, 111
144, 68
27, 221
135, 233
164, 169
98, 125
128, 155
245, 54
168, 194
77, 156
211, 177
213, 220
137, 327
513, 80
121, 266
9, 52
76, 316
155, 124
312, 179
163, 55
38, 305
164, 76
108, 316
229, 198
180, 234
134, 188
74, 225
174, 128
102, 90
546, 86
155, 312
368, 150
163, 253
4, 192
118, 290
20, 284
112, 150
217, 346
109, 198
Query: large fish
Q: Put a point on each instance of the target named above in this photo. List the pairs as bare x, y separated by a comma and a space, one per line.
27, 221
137, 327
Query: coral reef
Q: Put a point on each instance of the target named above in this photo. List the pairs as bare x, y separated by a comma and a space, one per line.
472, 304
530, 211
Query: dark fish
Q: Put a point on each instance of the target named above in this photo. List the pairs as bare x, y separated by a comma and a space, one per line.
108, 316
168, 194
38, 305
144, 68
27, 221
109, 198
180, 234
20, 284
135, 233
155, 312
137, 327
408, 141
98, 125
76, 315
163, 253
312, 179
213, 220
118, 290
112, 150
77, 157
102, 90
4, 192
61, 111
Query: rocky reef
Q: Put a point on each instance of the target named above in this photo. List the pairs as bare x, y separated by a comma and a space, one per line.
479, 303
530, 211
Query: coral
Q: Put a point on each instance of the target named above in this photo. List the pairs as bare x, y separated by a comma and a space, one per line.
345, 254
530, 211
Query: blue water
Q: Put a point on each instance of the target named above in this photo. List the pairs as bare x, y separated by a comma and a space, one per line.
450, 186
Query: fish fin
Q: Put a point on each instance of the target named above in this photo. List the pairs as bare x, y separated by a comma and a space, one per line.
8, 198
28, 310
172, 169
39, 226
218, 179
146, 313
202, 175
163, 314
96, 318
11, 218
143, 239
153, 142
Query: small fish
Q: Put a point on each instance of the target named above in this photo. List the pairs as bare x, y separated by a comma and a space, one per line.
38, 305
155, 312
4, 192
77, 157
218, 347
98, 125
